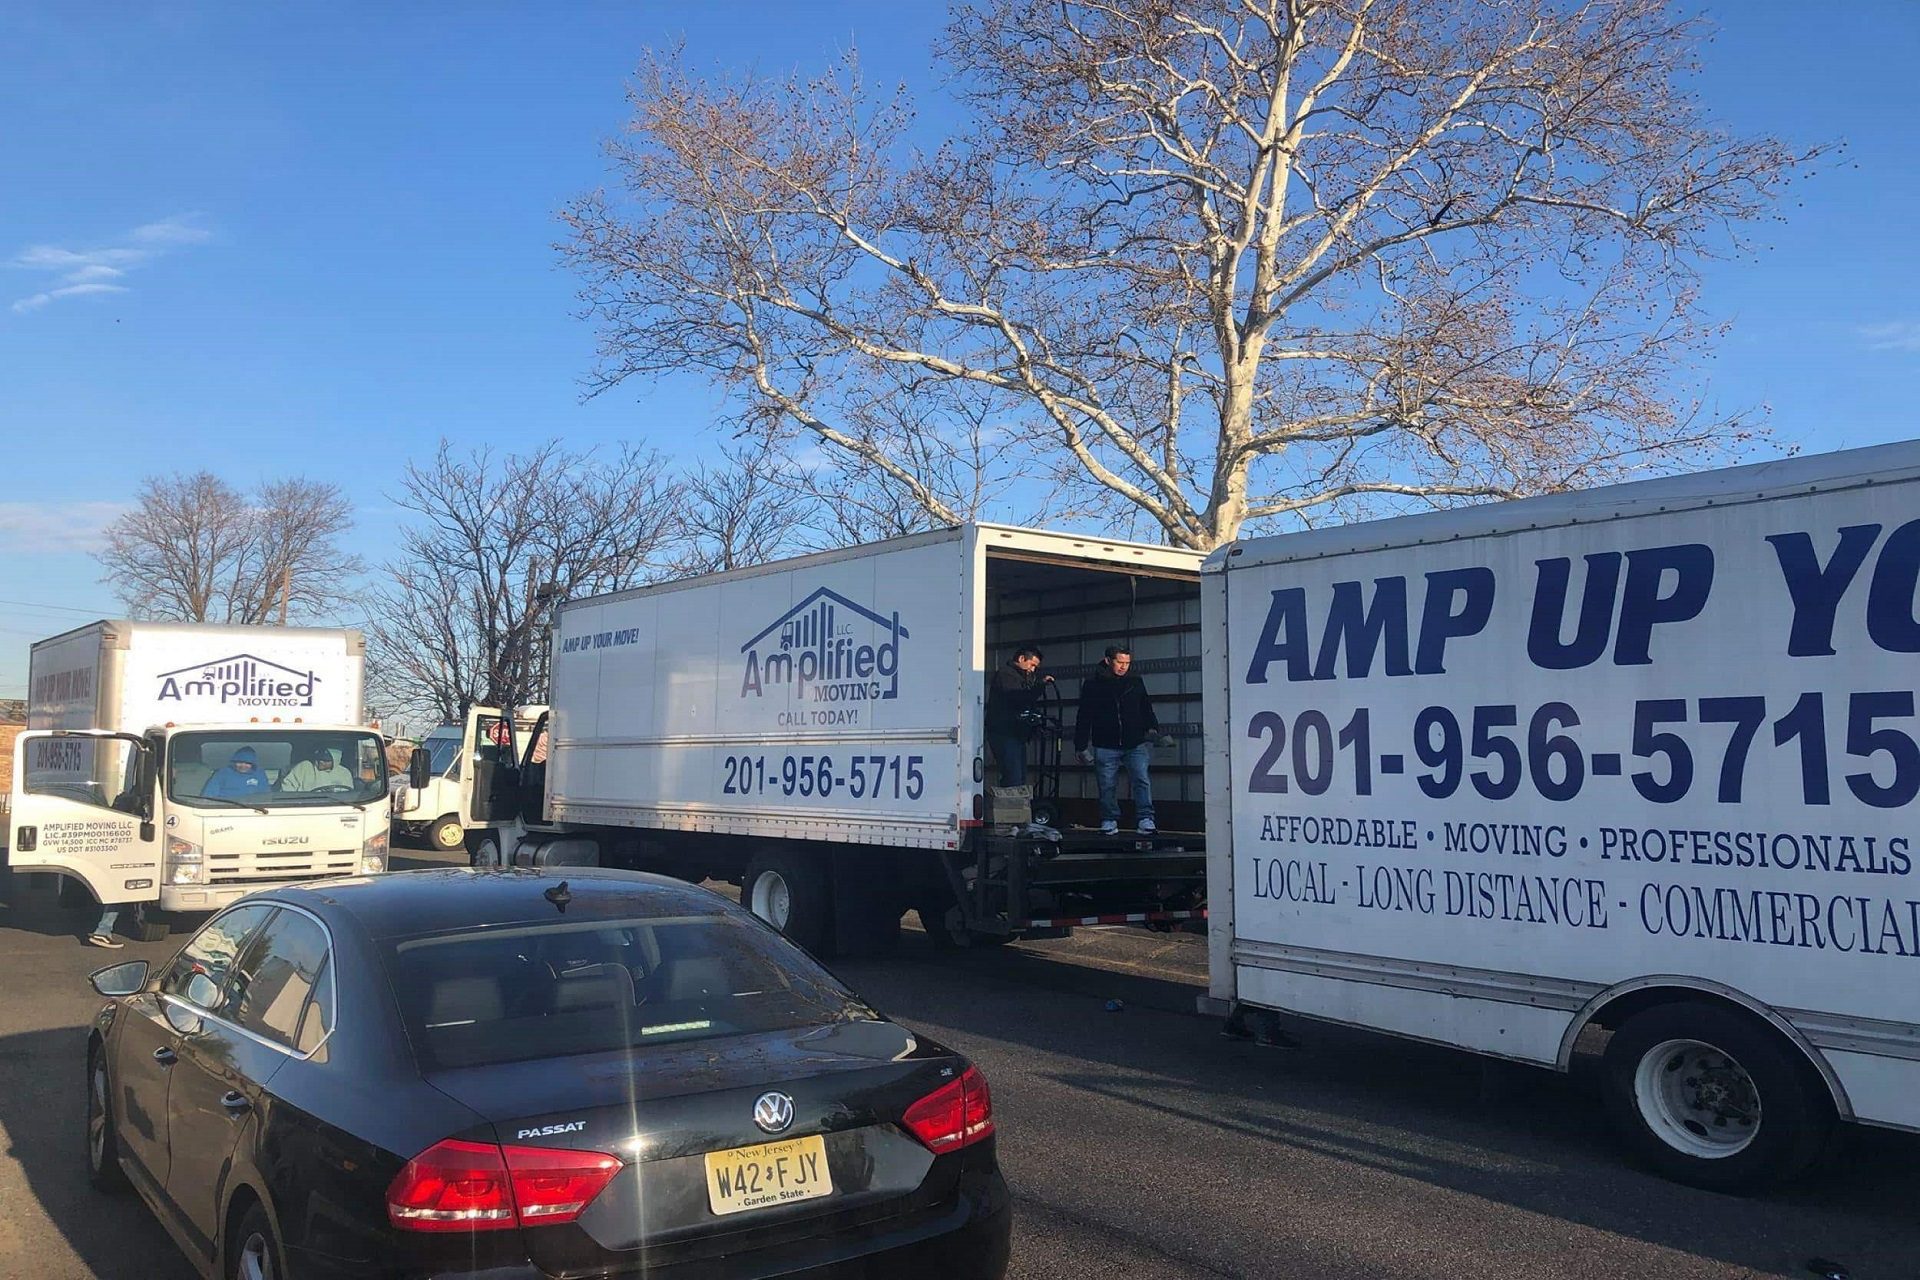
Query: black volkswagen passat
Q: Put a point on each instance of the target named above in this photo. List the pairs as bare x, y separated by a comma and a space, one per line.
507, 1075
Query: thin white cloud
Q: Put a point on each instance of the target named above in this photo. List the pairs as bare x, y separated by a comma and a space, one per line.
183, 229
35, 301
1897, 335
27, 527
83, 272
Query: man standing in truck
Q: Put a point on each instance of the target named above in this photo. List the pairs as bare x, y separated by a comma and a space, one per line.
1114, 723
1011, 699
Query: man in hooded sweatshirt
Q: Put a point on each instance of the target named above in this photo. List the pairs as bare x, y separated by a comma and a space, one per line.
242, 777
1116, 719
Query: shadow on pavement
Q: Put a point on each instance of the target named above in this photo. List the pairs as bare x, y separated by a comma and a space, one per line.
43, 1111
1513, 1135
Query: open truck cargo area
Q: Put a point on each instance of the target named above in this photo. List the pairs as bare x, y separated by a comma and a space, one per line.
1641, 758
813, 729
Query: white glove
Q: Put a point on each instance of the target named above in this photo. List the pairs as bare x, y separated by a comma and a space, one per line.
1166, 739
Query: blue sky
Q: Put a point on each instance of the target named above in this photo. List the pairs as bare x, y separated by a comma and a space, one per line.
311, 240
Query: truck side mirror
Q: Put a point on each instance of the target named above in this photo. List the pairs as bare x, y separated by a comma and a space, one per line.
419, 768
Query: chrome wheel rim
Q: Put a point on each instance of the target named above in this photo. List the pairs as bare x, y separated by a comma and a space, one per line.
487, 855
1697, 1099
97, 1117
256, 1259
772, 899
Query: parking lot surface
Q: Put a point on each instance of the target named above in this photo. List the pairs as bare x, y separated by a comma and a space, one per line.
1137, 1141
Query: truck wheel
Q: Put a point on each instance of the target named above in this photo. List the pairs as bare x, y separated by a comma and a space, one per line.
486, 852
791, 893
1713, 1098
447, 834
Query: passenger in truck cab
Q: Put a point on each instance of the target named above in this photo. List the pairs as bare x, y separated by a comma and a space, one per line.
241, 777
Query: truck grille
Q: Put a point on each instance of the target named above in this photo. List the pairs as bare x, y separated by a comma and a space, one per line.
302, 864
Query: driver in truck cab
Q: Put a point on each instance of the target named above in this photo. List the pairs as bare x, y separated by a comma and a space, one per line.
318, 772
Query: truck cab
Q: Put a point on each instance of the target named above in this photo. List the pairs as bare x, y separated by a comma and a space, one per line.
190, 817
439, 801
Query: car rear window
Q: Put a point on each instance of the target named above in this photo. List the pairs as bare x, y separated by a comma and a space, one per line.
552, 990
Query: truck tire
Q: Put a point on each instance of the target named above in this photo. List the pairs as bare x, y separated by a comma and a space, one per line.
447, 834
790, 892
486, 852
1714, 1098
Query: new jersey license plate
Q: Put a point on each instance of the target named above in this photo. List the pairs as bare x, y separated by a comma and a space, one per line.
769, 1174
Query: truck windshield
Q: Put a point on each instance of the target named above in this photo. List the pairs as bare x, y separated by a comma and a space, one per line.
275, 767
442, 752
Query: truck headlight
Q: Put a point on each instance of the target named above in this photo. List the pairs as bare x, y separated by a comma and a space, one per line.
186, 864
373, 855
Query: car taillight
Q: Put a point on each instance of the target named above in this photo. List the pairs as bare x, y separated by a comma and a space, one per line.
477, 1186
954, 1115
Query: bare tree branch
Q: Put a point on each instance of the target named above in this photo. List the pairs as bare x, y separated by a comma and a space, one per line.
459, 617
1329, 252
196, 549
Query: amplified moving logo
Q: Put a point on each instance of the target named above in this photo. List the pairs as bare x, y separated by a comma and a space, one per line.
811, 648
241, 681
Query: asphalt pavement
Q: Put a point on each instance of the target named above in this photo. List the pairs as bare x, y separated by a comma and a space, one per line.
1137, 1141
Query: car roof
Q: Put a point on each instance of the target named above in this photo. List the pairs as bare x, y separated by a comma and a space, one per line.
442, 899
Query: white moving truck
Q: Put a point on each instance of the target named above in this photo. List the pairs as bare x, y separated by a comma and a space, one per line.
181, 766
813, 730
441, 805
1642, 758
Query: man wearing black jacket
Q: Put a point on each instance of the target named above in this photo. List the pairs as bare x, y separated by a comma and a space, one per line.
1116, 719
1014, 693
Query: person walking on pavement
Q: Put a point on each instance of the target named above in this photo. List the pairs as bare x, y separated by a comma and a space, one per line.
1013, 704
1111, 731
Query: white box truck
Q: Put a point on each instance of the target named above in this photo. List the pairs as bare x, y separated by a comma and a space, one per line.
812, 729
439, 807
1641, 759
181, 766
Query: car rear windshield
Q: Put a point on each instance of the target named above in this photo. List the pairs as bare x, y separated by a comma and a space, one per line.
510, 993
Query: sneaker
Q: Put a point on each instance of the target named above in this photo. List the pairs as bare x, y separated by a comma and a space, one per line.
1110, 828
1146, 827
106, 940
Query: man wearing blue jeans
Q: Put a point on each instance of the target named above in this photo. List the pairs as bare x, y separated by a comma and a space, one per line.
1111, 732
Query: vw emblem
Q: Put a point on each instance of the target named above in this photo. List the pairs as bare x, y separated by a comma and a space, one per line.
773, 1112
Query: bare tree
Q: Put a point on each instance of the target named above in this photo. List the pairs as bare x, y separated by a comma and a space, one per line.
460, 615
1214, 260
196, 549
737, 512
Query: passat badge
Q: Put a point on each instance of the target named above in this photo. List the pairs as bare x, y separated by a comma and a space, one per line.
773, 1112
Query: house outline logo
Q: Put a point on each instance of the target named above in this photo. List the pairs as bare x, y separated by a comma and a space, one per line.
815, 652
241, 679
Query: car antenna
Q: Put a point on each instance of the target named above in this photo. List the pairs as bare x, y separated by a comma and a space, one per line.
559, 896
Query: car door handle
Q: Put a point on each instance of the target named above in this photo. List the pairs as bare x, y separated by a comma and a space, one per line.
165, 1056
235, 1102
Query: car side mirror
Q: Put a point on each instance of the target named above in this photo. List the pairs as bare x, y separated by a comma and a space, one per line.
202, 992
128, 979
419, 768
